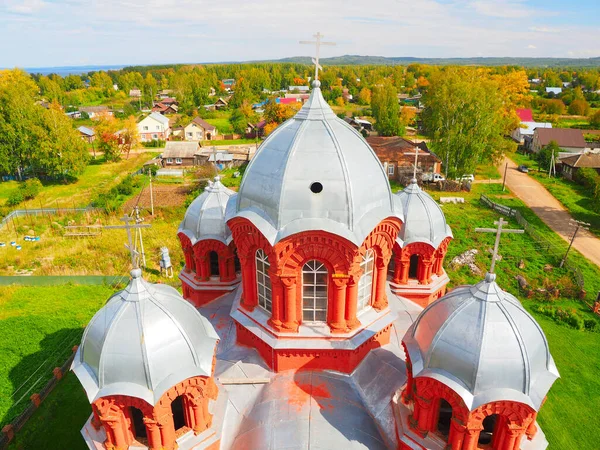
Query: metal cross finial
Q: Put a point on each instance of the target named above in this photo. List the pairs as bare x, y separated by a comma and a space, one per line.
318, 44
498, 232
416, 153
132, 251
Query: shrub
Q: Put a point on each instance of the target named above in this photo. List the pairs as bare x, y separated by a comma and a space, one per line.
15, 197
28, 190
155, 143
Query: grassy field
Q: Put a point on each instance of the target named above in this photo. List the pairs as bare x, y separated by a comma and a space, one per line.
98, 176
55, 254
576, 198
38, 328
487, 171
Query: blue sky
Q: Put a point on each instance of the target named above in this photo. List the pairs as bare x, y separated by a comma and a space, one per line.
38, 33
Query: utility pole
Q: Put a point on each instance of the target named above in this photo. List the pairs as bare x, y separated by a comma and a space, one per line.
552, 166
578, 224
504, 179
151, 195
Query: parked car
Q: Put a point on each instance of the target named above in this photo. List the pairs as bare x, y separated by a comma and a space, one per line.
466, 178
523, 168
430, 177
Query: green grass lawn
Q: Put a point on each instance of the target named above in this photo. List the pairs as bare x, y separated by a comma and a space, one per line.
487, 171
38, 328
98, 176
576, 198
230, 142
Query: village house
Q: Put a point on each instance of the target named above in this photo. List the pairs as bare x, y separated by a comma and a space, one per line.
154, 127
165, 109
524, 134
219, 104
135, 93
299, 89
94, 111
87, 134
554, 90
571, 164
255, 130
199, 130
181, 154
398, 156
359, 124
164, 94
228, 84
568, 139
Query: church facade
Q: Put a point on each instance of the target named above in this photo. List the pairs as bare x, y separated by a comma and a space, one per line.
315, 315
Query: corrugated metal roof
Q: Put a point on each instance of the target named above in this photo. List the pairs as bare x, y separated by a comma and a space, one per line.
180, 149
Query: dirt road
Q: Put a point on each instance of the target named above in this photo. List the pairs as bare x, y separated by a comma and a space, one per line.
549, 210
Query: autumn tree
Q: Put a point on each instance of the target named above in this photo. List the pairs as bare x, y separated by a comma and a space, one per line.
595, 119
579, 107
129, 137
465, 118
106, 137
553, 106
386, 111
241, 117
364, 96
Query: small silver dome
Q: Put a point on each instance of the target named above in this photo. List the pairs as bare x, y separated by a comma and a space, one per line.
423, 220
145, 340
314, 172
205, 217
479, 341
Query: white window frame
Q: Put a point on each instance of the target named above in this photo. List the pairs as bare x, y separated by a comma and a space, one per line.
390, 169
169, 160
315, 279
263, 281
154, 136
178, 161
145, 128
365, 283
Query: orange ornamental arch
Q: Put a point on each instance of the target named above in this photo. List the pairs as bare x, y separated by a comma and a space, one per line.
225, 255
248, 239
429, 262
188, 252
113, 413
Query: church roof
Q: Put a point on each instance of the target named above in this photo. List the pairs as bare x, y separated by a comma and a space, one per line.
423, 220
205, 217
314, 172
145, 340
480, 342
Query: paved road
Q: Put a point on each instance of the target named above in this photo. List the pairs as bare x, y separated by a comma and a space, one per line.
549, 210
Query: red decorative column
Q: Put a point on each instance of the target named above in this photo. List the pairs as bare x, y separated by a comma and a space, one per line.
352, 302
513, 438
153, 434
404, 268
167, 431
471, 437
276, 301
380, 301
338, 322
397, 269
290, 321
457, 434
249, 299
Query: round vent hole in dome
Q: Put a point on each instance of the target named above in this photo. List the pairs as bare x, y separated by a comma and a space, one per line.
316, 187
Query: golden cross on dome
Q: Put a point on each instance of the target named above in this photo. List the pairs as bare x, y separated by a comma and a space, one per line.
132, 251
499, 230
318, 42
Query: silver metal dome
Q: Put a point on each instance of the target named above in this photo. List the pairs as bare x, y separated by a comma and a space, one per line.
145, 340
314, 172
205, 217
479, 341
423, 220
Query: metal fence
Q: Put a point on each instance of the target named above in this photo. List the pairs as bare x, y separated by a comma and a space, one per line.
545, 244
9, 431
43, 212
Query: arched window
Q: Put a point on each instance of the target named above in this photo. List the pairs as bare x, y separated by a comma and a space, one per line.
365, 284
263, 282
178, 413
489, 424
213, 257
444, 417
236, 262
314, 292
414, 265
137, 423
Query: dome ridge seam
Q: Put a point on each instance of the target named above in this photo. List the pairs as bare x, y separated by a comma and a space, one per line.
522, 348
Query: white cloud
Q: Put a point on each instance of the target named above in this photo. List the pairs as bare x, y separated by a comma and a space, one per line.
24, 6
531, 46
505, 9
545, 30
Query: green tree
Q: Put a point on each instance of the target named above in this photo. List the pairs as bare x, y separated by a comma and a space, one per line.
595, 119
61, 152
466, 118
544, 157
386, 110
579, 108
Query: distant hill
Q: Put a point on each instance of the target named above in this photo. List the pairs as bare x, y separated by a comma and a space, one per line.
484, 61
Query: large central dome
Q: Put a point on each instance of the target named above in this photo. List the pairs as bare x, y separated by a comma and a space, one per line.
315, 172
